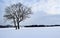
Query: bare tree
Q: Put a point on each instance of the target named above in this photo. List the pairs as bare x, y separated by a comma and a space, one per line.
17, 13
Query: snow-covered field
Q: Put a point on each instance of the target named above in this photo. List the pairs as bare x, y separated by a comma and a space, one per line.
38, 32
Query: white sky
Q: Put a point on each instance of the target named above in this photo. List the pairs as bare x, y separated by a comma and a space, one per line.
44, 11
51, 7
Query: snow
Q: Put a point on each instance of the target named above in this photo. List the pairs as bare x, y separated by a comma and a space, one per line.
37, 32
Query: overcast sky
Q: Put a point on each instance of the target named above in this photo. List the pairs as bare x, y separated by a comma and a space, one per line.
44, 11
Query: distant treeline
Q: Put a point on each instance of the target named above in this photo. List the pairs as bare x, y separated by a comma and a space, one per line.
41, 25
6, 26
11, 26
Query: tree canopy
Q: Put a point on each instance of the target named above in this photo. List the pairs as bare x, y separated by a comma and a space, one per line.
17, 12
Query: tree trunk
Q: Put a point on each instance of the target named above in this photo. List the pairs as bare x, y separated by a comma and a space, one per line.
18, 26
18, 23
15, 24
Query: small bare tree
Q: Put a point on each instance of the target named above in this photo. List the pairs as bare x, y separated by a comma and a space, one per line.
17, 13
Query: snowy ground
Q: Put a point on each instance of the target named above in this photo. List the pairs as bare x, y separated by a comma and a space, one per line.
38, 32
